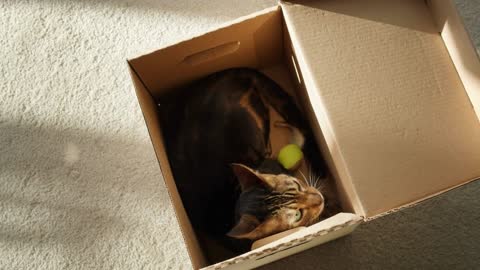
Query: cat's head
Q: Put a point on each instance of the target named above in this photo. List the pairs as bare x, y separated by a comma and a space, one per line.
272, 203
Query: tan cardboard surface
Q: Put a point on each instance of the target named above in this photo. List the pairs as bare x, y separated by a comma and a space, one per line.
388, 97
271, 238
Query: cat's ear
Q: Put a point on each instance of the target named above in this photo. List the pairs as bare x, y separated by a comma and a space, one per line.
245, 226
249, 178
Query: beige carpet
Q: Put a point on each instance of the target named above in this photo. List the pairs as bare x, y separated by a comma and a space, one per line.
79, 182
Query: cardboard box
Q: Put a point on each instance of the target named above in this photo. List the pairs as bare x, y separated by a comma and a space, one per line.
391, 89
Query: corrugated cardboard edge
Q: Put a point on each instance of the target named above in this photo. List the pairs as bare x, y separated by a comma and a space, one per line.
321, 115
221, 26
460, 47
352, 222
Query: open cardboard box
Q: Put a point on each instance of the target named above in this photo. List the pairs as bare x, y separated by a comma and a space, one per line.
391, 90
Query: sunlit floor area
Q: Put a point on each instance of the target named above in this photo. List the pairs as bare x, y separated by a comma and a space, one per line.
80, 186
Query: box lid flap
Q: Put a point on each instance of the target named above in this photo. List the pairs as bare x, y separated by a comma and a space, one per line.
390, 103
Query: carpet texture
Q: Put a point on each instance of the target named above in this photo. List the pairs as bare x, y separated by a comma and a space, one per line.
79, 181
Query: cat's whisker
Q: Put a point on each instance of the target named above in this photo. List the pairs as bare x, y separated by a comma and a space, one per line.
310, 170
312, 175
321, 185
316, 181
311, 181
303, 175
308, 180
309, 174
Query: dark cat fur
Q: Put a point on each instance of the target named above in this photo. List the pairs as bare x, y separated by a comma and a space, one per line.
206, 129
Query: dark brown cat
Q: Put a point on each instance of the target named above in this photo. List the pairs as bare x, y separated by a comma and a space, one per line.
217, 137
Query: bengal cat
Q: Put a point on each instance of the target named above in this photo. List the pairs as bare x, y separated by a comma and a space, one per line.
217, 138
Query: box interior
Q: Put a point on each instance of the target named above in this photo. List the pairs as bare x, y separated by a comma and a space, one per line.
392, 104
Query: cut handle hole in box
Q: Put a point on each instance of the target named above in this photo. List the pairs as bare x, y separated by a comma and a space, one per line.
212, 53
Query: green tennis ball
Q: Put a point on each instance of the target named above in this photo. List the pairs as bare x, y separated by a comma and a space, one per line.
290, 156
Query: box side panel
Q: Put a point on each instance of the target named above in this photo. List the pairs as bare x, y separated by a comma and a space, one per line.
460, 47
254, 42
327, 230
388, 98
148, 106
346, 194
